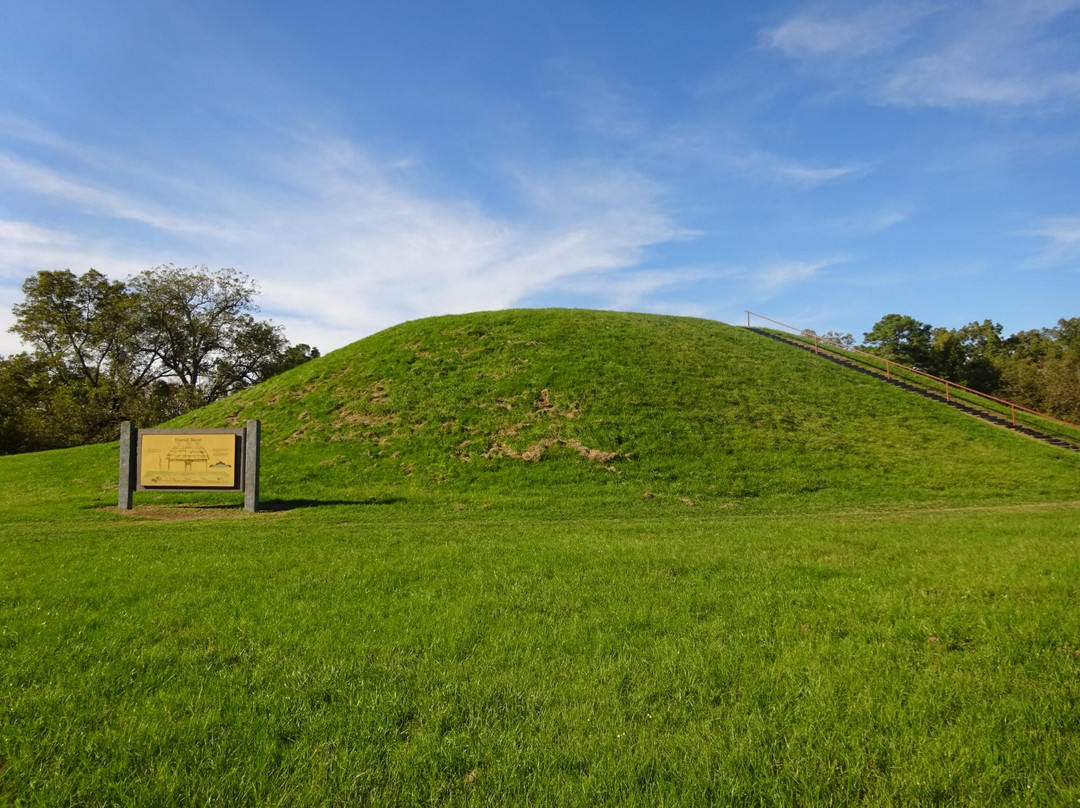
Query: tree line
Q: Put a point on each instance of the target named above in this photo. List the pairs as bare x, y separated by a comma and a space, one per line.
1038, 368
145, 349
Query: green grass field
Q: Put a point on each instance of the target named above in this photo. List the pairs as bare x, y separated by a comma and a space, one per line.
702, 568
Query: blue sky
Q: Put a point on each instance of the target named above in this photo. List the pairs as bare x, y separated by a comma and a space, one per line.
368, 163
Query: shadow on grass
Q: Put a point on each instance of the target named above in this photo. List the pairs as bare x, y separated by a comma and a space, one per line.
293, 504
187, 510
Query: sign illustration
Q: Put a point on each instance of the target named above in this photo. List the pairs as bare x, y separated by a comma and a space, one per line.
189, 461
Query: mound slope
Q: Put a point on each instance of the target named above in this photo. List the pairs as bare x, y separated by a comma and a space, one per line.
586, 411
577, 405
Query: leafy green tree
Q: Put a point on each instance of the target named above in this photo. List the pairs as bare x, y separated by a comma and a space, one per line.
1034, 344
840, 337
969, 355
287, 359
24, 382
83, 331
1021, 376
1041, 369
982, 347
201, 325
78, 325
145, 350
903, 339
1067, 334
1060, 386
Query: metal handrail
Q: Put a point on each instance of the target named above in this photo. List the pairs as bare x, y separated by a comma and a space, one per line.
1013, 406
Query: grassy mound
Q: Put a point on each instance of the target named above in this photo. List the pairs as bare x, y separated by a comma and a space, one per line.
535, 407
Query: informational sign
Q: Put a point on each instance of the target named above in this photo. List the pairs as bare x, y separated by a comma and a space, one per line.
189, 460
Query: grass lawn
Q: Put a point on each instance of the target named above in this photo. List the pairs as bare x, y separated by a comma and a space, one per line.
896, 657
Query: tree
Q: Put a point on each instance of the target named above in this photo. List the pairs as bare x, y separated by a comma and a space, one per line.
289, 358
982, 348
1041, 369
24, 382
1059, 386
201, 326
901, 338
839, 337
78, 325
1032, 345
85, 343
145, 350
1067, 334
969, 355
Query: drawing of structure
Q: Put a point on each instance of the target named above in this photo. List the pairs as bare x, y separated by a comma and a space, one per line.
188, 451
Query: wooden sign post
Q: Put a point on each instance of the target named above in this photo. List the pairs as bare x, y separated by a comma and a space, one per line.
189, 460
252, 433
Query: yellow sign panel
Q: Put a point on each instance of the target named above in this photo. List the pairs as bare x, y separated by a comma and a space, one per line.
187, 461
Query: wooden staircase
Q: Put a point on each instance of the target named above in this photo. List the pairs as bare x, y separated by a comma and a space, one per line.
976, 412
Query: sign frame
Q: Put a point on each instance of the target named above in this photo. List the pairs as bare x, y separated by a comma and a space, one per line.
245, 464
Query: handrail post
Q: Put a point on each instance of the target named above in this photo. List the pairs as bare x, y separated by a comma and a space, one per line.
748, 318
815, 345
888, 373
1013, 408
946, 391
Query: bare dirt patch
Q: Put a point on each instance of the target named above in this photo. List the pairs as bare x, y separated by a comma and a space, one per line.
379, 392
184, 512
544, 408
297, 435
536, 450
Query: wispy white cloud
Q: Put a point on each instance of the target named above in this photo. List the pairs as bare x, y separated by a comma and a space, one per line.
600, 107
30, 234
1010, 54
26, 247
92, 162
771, 278
821, 33
1062, 238
632, 289
92, 198
344, 244
763, 285
611, 112
865, 223
726, 152
821, 317
761, 163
